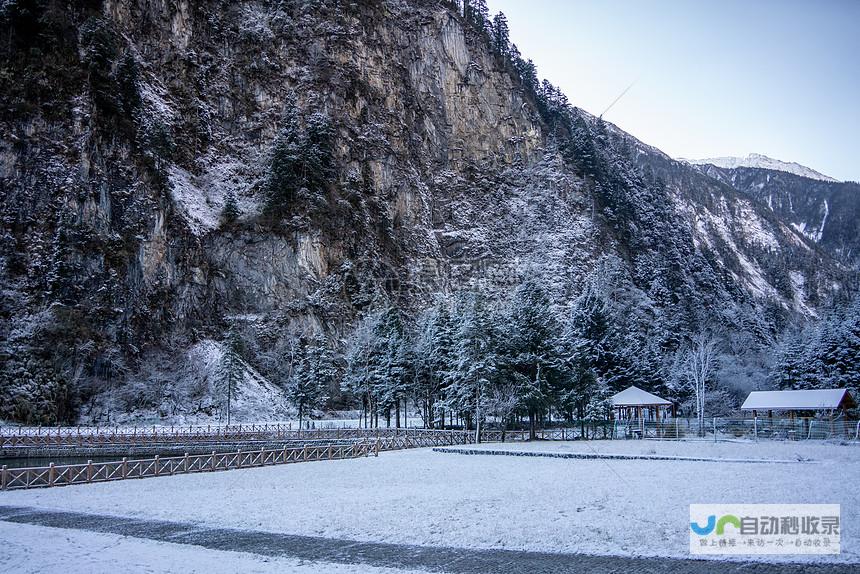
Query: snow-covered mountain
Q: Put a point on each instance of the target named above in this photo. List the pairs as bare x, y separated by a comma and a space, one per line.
760, 161
284, 167
826, 212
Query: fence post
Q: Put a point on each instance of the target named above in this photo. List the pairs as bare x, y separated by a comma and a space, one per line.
715, 429
329, 451
755, 428
156, 465
212, 465
3, 477
185, 463
124, 466
51, 474
376, 448
89, 471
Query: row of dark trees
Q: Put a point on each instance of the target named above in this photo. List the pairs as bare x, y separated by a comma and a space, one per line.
824, 354
469, 358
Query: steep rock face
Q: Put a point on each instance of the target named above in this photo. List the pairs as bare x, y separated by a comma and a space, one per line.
127, 126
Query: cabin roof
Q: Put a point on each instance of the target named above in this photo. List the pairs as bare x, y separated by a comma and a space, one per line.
808, 400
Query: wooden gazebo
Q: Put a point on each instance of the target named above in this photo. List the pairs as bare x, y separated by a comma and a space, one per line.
634, 403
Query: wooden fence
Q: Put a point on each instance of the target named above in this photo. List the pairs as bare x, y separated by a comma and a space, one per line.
63, 475
364, 442
84, 436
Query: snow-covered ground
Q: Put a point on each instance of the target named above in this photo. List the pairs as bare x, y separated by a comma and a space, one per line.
621, 507
24, 551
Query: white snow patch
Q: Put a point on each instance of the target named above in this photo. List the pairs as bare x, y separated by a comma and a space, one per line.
200, 211
256, 398
820, 232
201, 197
798, 288
753, 228
750, 225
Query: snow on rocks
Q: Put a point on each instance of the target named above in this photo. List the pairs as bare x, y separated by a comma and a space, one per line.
255, 395
760, 161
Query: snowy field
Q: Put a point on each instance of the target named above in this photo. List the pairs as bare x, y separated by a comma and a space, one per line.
616, 507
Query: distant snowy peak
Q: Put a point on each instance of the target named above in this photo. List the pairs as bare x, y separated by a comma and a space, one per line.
762, 162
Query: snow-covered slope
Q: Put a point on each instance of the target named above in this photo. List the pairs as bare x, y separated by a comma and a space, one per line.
195, 393
762, 162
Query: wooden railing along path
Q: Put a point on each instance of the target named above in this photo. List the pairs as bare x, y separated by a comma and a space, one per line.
345, 443
364, 443
89, 436
63, 475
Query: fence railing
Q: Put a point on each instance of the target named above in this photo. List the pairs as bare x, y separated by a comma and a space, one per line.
757, 428
162, 435
63, 475
673, 428
364, 442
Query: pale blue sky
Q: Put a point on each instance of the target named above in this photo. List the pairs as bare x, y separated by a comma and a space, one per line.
713, 77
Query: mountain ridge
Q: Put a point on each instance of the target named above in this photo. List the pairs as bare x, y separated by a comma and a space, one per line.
761, 161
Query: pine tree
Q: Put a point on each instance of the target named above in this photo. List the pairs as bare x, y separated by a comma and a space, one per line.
312, 377
360, 355
789, 366
230, 211
599, 406
501, 42
434, 356
475, 363
389, 362
533, 351
285, 177
230, 372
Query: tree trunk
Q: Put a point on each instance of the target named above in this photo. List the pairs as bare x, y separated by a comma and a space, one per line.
301, 411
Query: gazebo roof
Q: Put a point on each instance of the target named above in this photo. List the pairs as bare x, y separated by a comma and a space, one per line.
809, 400
636, 397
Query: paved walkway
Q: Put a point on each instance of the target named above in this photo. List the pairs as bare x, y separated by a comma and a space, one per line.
427, 558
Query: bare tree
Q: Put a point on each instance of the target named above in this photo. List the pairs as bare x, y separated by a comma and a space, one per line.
699, 363
502, 401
